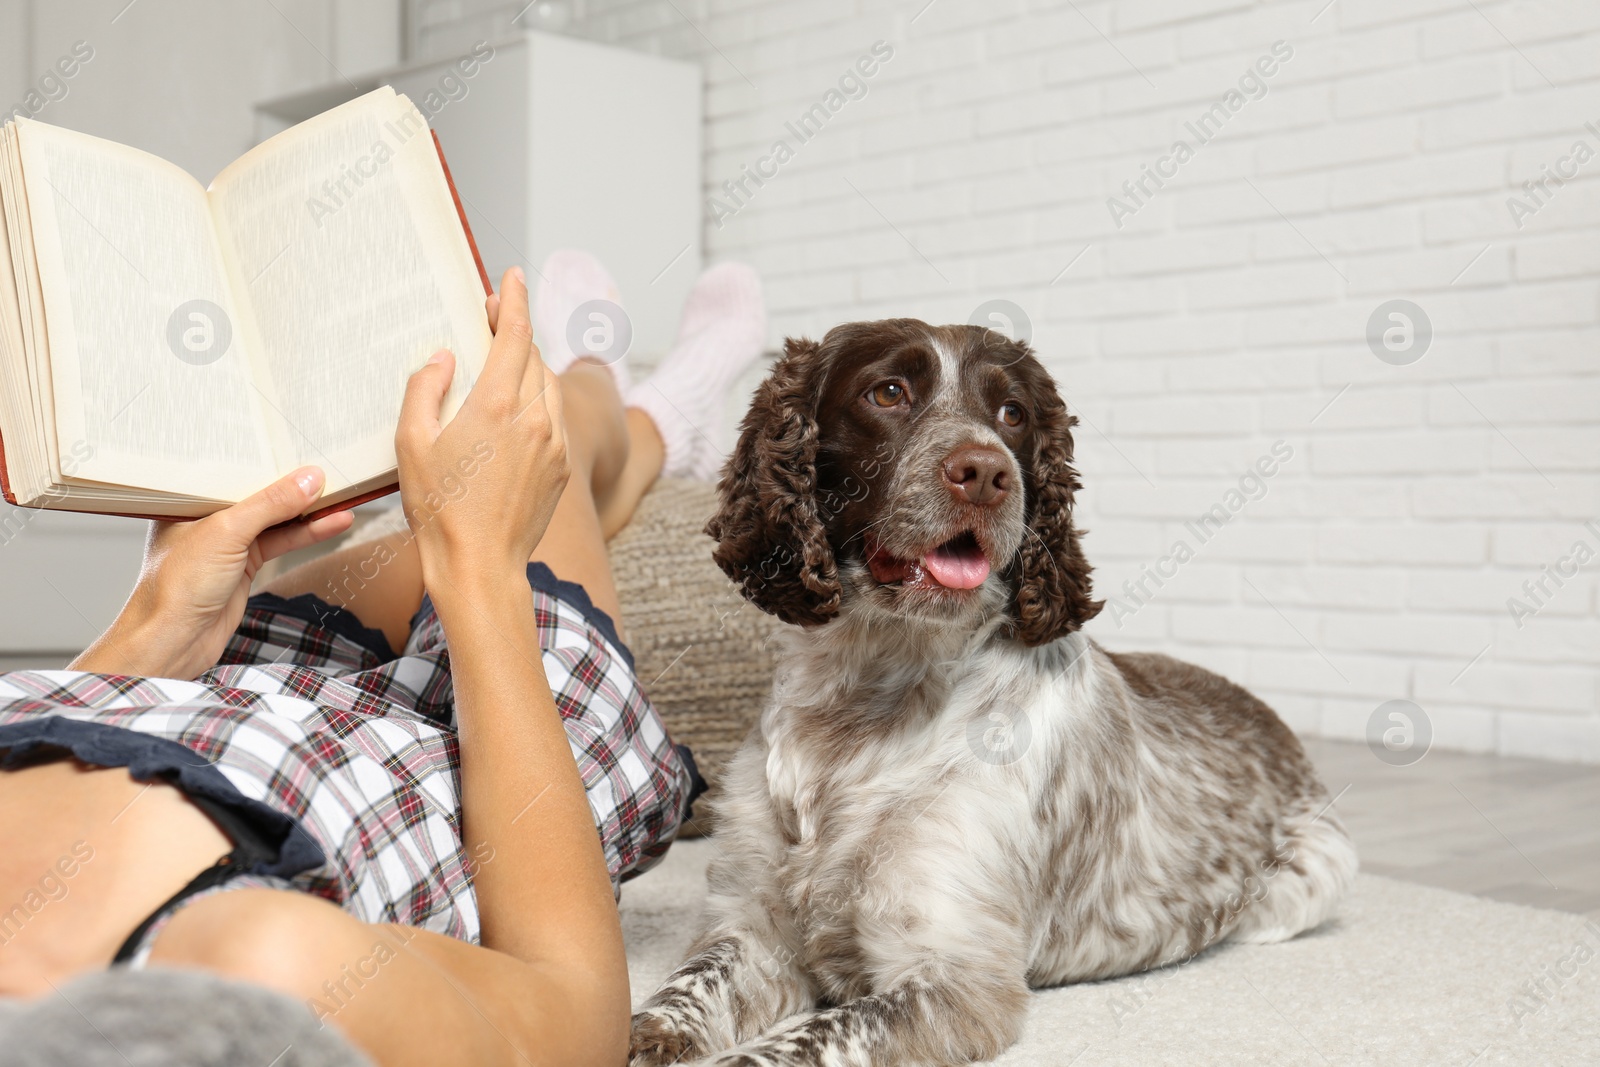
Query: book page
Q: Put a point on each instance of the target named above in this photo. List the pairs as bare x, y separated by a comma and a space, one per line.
151, 378
352, 268
21, 449
13, 368
30, 311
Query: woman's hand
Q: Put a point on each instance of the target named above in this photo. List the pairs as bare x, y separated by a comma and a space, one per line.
479, 492
196, 578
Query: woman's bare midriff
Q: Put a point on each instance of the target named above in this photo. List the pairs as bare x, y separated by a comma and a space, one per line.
88, 853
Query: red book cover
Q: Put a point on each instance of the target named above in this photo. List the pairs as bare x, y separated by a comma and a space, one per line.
488, 290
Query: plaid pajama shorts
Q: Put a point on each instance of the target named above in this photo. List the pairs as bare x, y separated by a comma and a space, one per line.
342, 756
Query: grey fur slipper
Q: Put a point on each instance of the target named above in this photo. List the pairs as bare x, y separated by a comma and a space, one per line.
168, 1018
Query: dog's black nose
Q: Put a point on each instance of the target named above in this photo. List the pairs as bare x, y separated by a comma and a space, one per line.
977, 475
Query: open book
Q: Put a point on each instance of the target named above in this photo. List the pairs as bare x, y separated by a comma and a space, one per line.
167, 349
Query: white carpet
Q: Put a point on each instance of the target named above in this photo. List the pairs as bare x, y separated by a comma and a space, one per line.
1405, 975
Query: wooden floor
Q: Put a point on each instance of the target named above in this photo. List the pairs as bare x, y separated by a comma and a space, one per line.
1519, 830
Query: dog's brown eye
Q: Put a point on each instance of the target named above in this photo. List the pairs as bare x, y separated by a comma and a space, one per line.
1011, 413
887, 394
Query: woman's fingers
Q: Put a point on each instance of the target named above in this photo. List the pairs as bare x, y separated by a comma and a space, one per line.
284, 499
513, 338
551, 391
419, 411
276, 542
492, 306
536, 380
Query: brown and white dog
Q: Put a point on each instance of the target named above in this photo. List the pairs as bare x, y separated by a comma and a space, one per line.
953, 794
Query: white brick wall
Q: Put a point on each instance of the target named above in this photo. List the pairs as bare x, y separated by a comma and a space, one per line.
1223, 317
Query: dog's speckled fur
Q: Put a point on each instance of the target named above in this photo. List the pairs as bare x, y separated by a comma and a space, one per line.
951, 798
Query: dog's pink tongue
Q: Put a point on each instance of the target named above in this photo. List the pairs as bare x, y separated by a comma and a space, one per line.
955, 568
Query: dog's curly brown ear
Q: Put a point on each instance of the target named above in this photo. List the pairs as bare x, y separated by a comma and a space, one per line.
1053, 594
769, 532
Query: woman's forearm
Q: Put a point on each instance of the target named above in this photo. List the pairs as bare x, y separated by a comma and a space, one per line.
542, 886
110, 654
134, 644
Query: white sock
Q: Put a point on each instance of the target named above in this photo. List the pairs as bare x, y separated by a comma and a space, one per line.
570, 279
721, 334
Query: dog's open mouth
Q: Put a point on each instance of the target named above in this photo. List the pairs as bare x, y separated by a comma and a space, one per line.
959, 563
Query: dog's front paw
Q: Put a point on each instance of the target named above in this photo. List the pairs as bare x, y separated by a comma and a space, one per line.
657, 1041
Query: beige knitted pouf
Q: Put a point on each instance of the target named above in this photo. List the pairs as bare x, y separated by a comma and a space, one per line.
703, 653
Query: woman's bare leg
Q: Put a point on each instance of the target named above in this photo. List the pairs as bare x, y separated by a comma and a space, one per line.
379, 580
615, 456
645, 457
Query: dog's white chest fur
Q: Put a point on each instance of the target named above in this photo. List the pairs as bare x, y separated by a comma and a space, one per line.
892, 773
